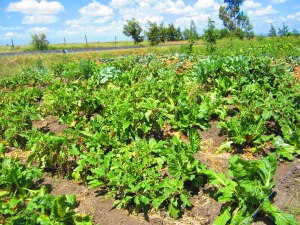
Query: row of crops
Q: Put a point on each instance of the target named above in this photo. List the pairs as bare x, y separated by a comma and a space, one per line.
114, 114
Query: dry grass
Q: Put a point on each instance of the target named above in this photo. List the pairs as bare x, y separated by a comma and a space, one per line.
12, 65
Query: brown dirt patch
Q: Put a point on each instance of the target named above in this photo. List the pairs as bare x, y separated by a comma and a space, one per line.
171, 61
297, 72
50, 124
17, 153
287, 179
168, 131
287, 188
91, 202
211, 140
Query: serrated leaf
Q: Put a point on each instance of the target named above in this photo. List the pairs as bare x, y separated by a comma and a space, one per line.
174, 212
185, 200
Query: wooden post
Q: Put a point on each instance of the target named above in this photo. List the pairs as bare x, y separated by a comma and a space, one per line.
12, 44
86, 42
65, 41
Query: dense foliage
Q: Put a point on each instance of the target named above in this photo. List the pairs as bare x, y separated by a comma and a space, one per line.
130, 126
39, 41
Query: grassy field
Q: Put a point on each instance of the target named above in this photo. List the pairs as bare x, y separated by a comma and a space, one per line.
23, 48
15, 64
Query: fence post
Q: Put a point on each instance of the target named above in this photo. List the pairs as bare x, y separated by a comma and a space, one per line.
86, 42
12, 44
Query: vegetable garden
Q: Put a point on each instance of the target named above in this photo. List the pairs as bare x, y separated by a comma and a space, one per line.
131, 127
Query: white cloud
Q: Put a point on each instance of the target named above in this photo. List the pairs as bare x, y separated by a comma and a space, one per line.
200, 20
291, 17
268, 20
38, 30
9, 34
142, 14
77, 22
250, 4
279, 1
266, 11
102, 19
207, 4
96, 9
37, 19
35, 7
120, 3
93, 13
170, 7
10, 28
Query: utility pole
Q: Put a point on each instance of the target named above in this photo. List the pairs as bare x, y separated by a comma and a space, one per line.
12, 44
86, 42
65, 41
115, 40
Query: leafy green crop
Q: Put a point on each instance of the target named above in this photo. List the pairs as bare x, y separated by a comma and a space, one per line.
130, 126
22, 203
247, 192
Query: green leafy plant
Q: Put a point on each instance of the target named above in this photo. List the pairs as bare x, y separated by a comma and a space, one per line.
248, 192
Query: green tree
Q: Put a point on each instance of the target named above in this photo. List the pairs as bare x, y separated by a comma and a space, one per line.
179, 35
39, 41
191, 34
295, 33
272, 32
153, 33
284, 31
193, 31
224, 33
231, 14
186, 34
248, 29
210, 36
172, 33
133, 29
162, 33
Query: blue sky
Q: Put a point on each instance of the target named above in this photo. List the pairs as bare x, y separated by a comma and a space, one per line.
102, 20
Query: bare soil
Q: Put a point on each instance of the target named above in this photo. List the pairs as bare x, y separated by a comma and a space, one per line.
297, 72
211, 140
50, 124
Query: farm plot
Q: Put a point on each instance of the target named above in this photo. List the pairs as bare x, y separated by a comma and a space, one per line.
133, 128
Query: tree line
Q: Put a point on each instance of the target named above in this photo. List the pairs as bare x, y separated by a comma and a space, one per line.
236, 24
283, 31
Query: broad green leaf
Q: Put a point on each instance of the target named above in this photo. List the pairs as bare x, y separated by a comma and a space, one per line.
185, 200
267, 168
224, 217
225, 146
280, 218
174, 212
145, 200
126, 124
217, 178
283, 149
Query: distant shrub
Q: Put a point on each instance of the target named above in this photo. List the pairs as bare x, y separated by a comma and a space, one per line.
39, 41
